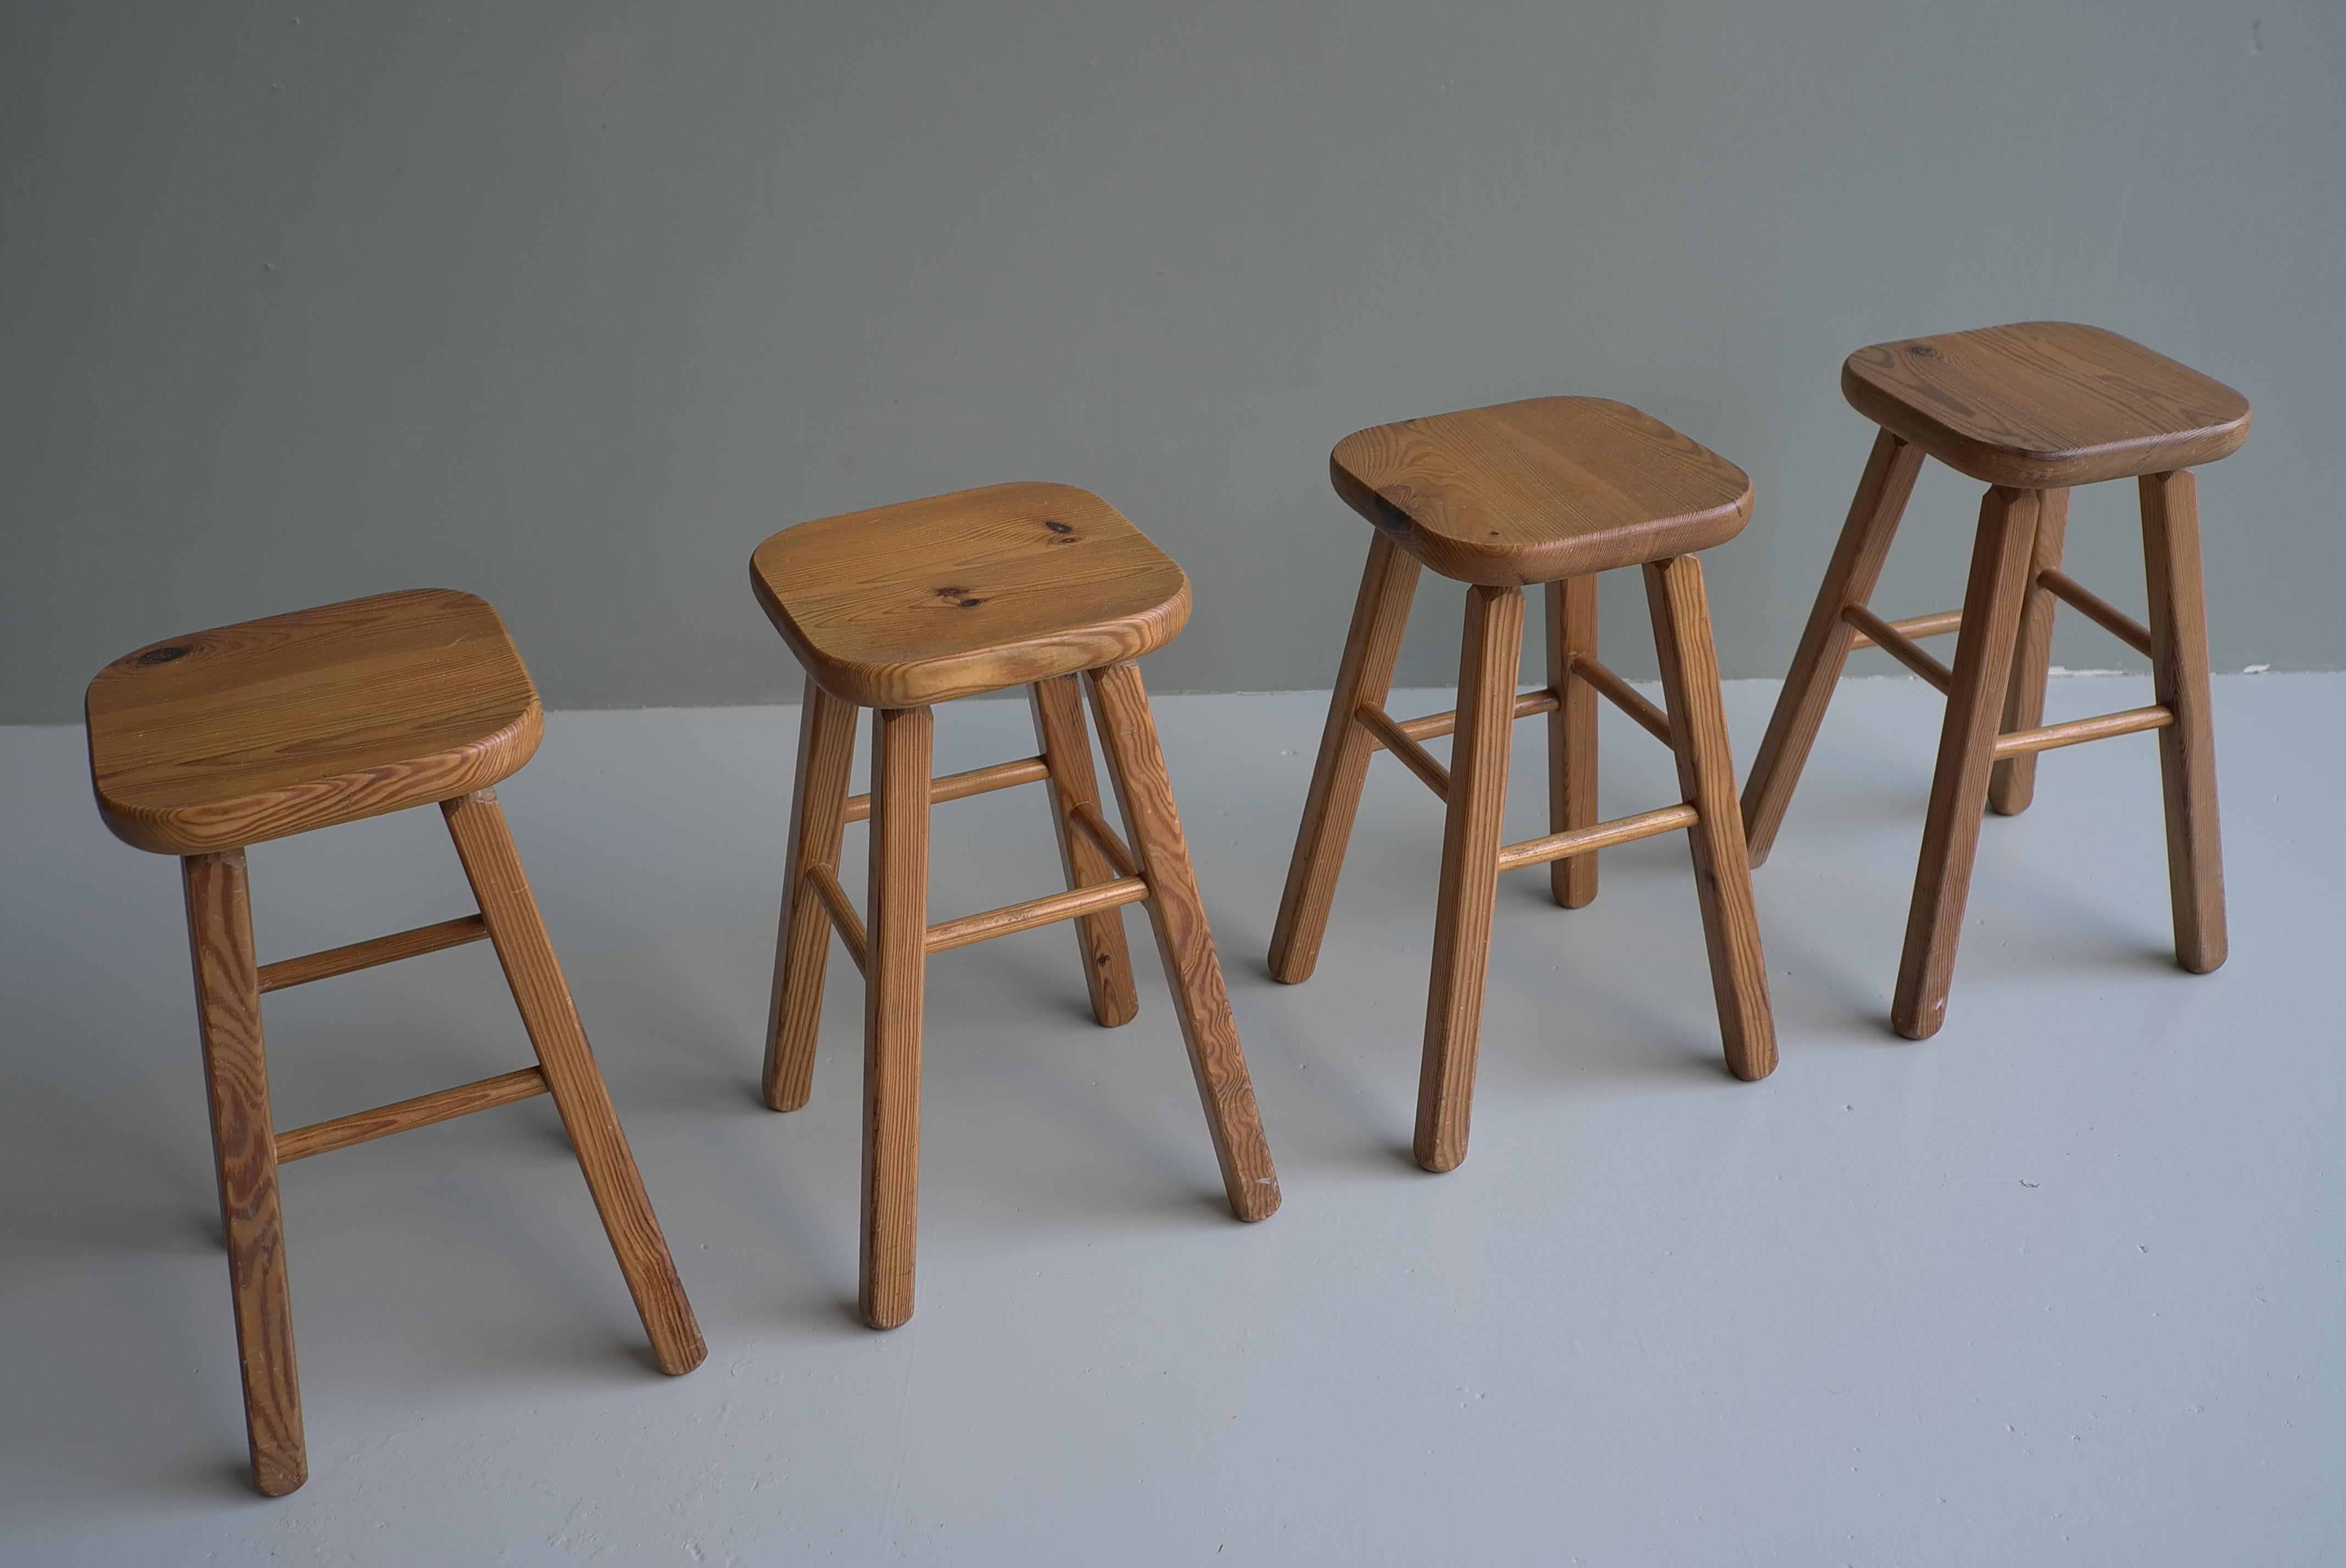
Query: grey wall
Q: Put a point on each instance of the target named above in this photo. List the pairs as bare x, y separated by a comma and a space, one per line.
570, 304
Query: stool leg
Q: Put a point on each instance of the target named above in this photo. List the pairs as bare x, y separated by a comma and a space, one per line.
895, 968
1722, 871
817, 818
1143, 794
1379, 616
543, 998
1572, 735
1857, 560
1943, 877
2187, 749
1470, 871
2013, 782
1066, 746
244, 1156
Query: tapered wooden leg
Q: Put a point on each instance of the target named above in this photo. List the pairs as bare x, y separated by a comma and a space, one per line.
895, 968
1065, 744
1176, 914
1470, 871
1722, 871
1943, 877
2187, 749
818, 817
2012, 784
1572, 735
1379, 618
244, 1154
1857, 560
478, 826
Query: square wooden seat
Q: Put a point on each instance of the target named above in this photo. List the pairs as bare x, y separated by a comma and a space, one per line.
1551, 491
922, 602
1540, 491
235, 736
903, 607
2042, 405
203, 743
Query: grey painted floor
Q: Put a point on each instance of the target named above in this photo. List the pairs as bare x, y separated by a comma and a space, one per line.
2067, 1285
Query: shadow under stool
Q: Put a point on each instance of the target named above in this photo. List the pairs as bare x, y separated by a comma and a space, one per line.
204, 744
902, 607
2031, 410
1550, 491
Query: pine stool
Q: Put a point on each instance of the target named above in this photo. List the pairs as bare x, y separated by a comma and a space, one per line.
1551, 491
902, 607
2031, 410
205, 744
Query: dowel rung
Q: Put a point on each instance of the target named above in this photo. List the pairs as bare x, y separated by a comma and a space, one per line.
362, 1126
1395, 740
1434, 726
1882, 634
843, 918
1602, 836
2101, 727
1046, 910
1932, 626
366, 954
1624, 697
1087, 818
961, 786
2097, 609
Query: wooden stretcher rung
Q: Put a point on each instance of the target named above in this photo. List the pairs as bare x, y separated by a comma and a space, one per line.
1931, 626
1046, 910
2076, 731
1624, 697
1602, 836
366, 954
959, 786
361, 1126
843, 918
1397, 740
1087, 818
1434, 726
2097, 609
1880, 634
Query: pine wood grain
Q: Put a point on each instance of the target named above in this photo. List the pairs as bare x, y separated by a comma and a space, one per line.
405, 1116
818, 817
1064, 740
1722, 869
477, 826
2077, 731
1380, 615
2187, 749
244, 1152
1538, 491
924, 601
1856, 567
1487, 660
232, 737
1049, 910
1950, 829
2012, 783
358, 955
1177, 916
895, 969
2042, 405
1572, 735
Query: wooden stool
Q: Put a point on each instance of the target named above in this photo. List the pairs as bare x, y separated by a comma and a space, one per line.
2031, 410
205, 744
1552, 490
900, 608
